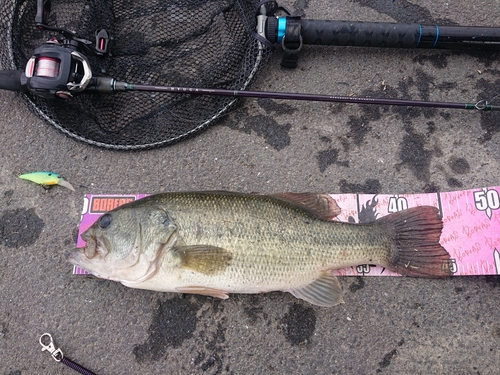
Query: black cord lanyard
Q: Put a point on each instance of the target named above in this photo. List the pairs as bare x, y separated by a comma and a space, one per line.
48, 344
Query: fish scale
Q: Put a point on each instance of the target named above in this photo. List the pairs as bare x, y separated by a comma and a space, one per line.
270, 243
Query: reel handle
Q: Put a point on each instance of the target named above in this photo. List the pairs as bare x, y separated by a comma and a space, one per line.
42, 12
13, 80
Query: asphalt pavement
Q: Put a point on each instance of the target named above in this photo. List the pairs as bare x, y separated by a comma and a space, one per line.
388, 325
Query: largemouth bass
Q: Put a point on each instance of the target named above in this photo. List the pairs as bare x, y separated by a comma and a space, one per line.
216, 243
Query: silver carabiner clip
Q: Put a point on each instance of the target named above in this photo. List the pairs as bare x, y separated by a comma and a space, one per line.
48, 344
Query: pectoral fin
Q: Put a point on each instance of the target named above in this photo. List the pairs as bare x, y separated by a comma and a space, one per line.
217, 293
324, 291
205, 259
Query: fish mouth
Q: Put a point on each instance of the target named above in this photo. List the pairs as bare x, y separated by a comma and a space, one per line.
80, 256
94, 246
76, 257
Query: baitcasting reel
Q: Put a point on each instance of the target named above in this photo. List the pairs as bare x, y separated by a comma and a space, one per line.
59, 67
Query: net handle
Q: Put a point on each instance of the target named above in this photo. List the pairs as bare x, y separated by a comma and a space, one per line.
383, 34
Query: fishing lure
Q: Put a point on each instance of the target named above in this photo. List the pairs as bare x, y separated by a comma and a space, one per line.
46, 179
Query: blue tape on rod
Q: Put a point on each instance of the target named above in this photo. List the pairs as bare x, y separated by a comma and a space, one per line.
281, 28
419, 35
437, 36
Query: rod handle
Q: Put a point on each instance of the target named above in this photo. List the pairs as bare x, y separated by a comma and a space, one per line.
13, 80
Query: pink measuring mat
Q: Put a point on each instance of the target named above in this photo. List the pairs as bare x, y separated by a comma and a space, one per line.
471, 218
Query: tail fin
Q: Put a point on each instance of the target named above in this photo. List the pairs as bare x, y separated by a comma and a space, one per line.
416, 250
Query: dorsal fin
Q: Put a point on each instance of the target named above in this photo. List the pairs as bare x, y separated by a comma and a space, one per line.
323, 206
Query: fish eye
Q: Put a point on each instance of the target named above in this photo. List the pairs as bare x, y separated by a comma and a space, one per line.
105, 221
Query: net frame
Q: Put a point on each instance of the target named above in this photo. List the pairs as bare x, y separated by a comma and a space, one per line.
206, 43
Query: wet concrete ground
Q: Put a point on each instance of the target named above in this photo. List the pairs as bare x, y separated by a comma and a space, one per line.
387, 325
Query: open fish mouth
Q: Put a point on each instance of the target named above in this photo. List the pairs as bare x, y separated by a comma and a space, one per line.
77, 258
93, 246
80, 256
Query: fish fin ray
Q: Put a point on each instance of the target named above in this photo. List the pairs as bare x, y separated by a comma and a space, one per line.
212, 292
205, 259
324, 291
416, 250
322, 206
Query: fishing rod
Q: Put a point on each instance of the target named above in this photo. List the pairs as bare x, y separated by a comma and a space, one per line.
59, 69
111, 86
18, 81
63, 68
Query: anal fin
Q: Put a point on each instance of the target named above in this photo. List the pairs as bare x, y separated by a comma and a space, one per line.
324, 291
212, 292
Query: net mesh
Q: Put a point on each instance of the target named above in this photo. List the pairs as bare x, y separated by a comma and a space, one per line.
191, 43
